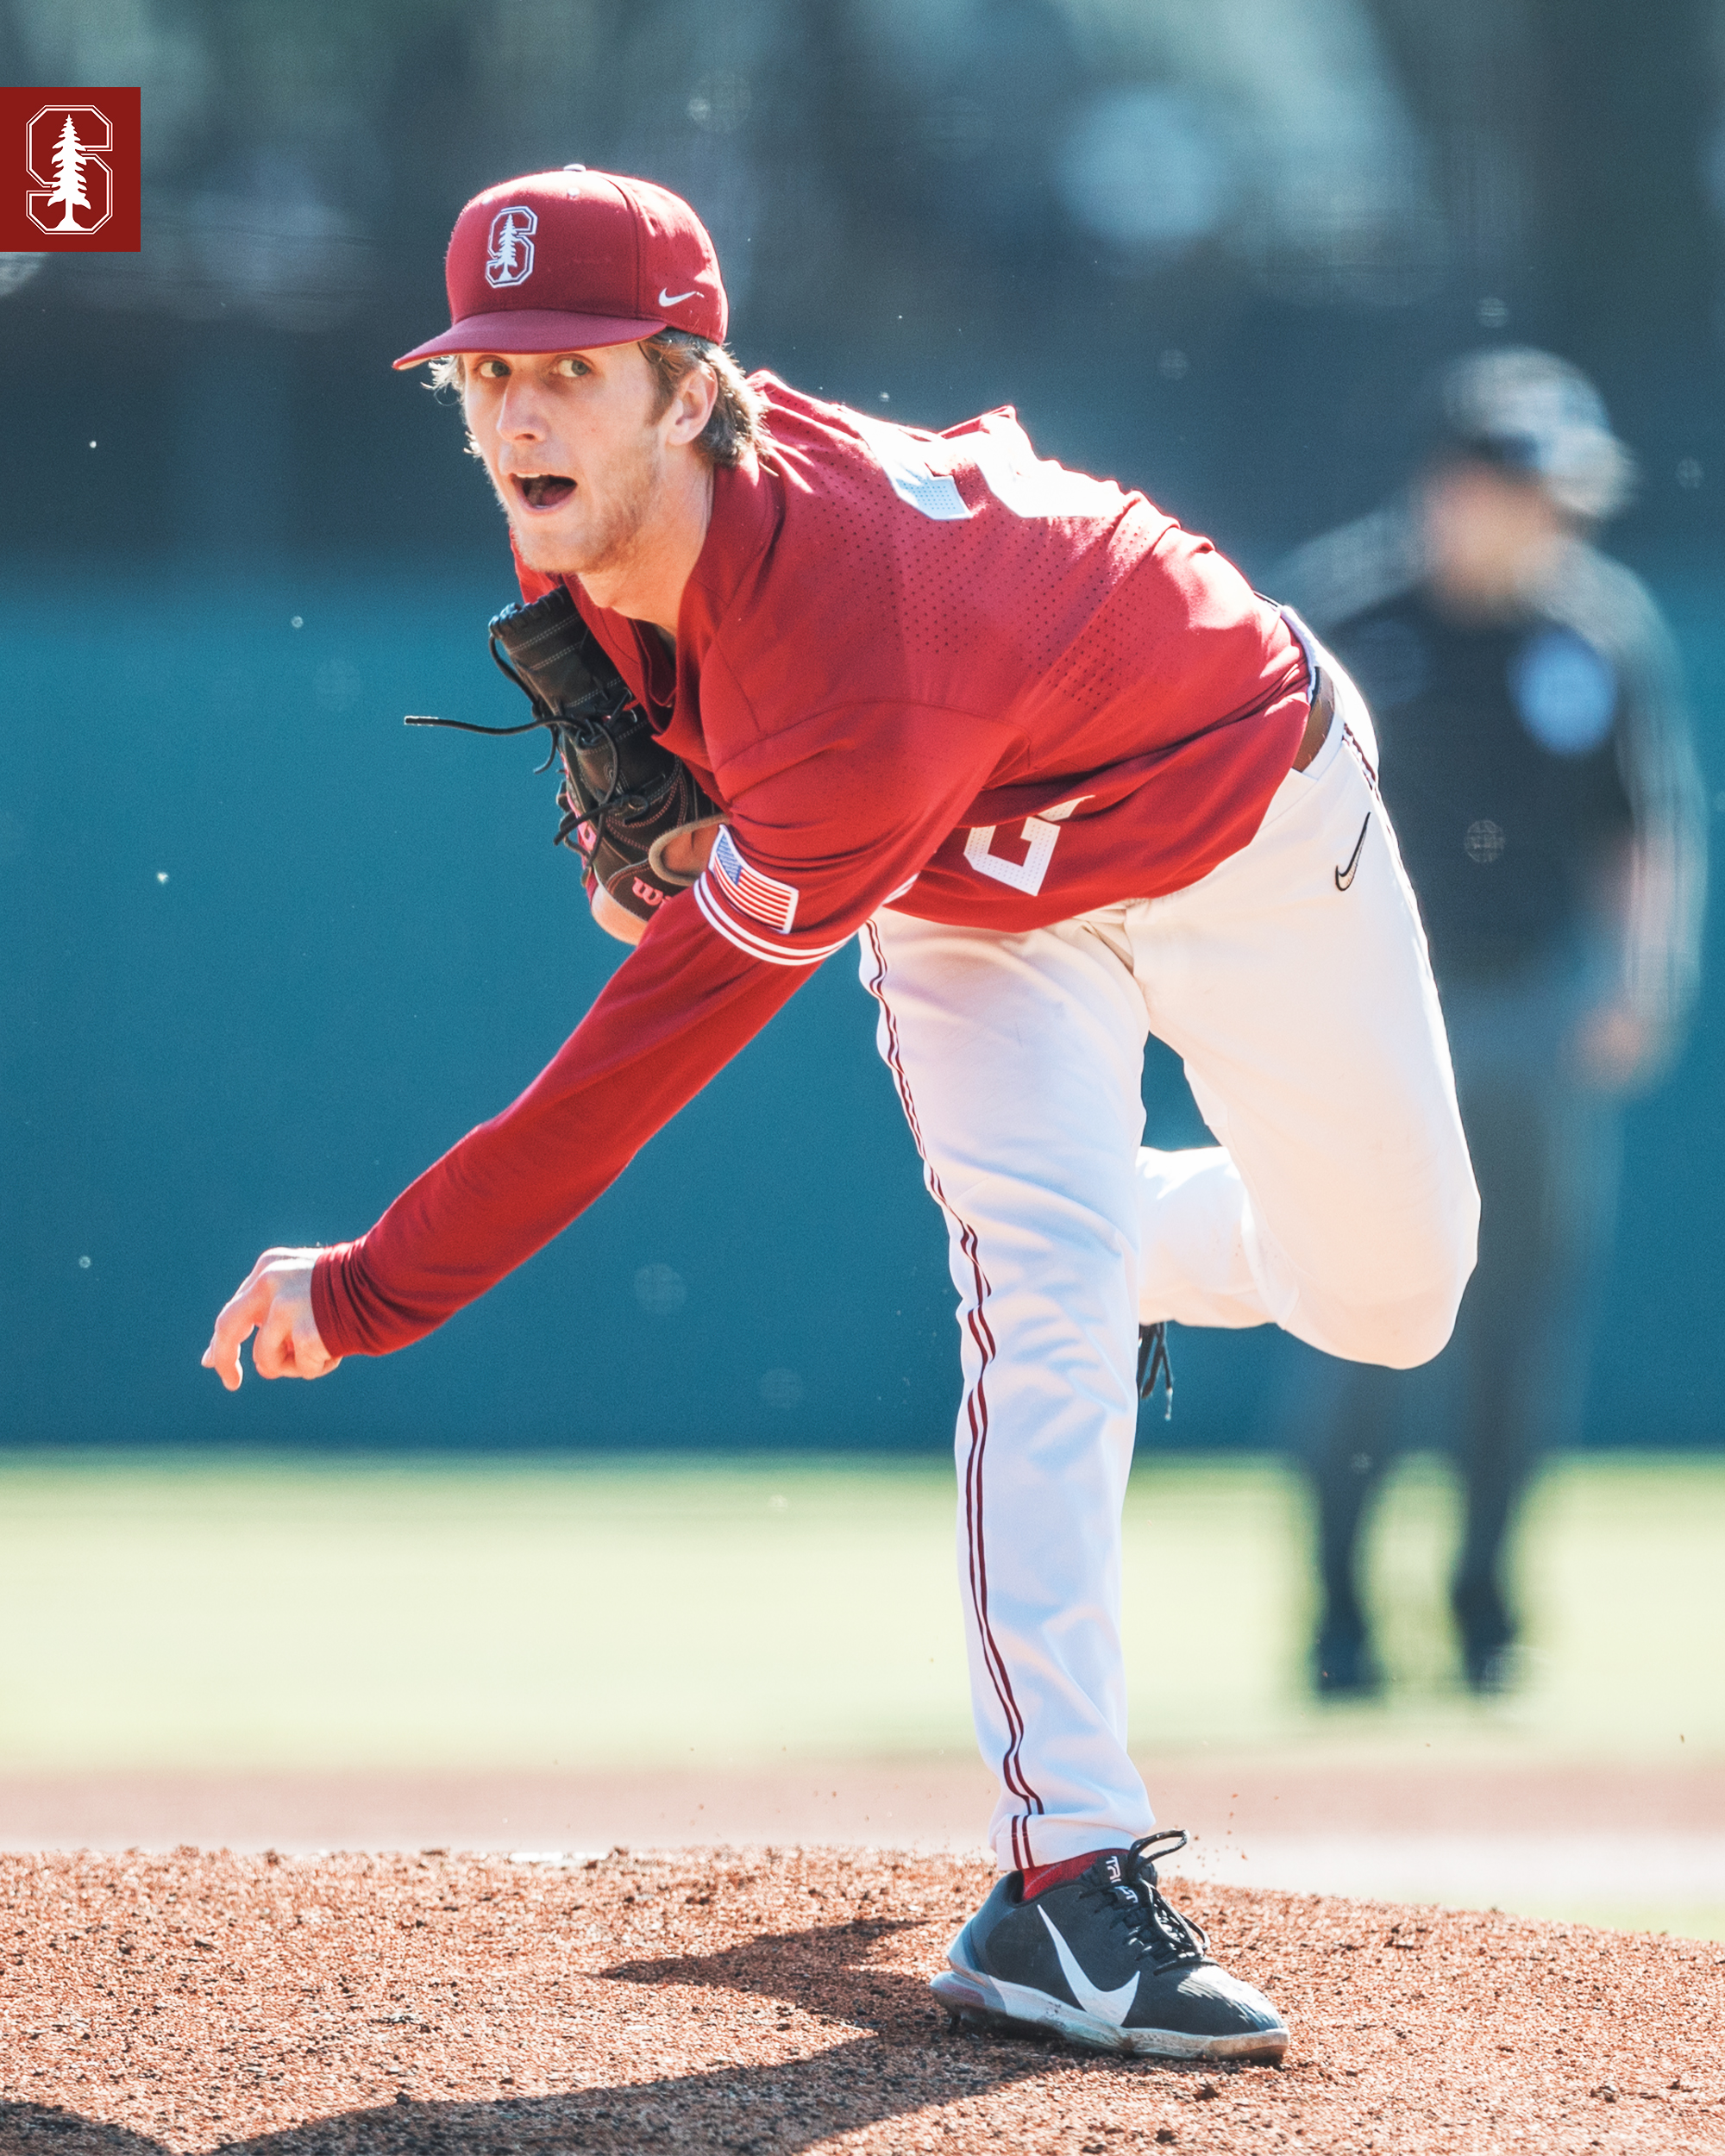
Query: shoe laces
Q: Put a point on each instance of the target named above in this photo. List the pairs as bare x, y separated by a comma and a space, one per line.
1156, 1930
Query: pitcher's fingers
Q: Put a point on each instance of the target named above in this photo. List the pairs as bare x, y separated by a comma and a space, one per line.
235, 1320
228, 1372
273, 1349
301, 1353
310, 1357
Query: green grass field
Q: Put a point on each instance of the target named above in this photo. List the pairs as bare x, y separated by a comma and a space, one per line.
196, 1612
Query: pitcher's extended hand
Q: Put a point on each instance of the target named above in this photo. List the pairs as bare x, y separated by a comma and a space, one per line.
274, 1299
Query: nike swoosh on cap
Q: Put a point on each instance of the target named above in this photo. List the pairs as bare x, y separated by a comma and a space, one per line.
1106, 2006
675, 299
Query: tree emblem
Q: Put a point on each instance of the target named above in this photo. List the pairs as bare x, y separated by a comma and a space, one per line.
508, 256
68, 180
64, 148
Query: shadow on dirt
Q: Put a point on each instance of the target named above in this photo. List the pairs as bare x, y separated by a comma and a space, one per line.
906, 2064
824, 1970
780, 2108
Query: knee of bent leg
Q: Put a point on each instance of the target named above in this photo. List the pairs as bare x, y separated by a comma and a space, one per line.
1399, 1335
1412, 1332
1409, 1327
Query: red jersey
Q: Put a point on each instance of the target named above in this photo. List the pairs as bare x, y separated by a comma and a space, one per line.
926, 671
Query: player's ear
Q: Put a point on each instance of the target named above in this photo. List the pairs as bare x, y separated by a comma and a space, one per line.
692, 402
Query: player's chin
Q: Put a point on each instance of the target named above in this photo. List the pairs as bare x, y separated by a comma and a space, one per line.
547, 540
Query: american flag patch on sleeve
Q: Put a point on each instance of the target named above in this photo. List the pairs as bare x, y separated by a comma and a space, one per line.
761, 895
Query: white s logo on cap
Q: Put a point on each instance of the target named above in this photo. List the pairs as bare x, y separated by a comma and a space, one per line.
509, 258
675, 299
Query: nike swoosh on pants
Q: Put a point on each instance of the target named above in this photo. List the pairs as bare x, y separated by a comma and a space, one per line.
1344, 876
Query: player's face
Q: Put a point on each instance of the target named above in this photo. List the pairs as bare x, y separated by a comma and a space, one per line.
575, 449
1487, 533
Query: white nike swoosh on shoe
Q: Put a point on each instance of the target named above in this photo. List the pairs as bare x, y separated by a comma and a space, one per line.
676, 299
1106, 2006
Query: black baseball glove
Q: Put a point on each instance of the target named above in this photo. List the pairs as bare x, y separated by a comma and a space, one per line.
624, 797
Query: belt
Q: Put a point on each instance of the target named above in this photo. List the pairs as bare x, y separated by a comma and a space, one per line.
1319, 720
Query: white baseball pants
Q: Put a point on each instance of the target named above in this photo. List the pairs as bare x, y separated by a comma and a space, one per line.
1338, 1203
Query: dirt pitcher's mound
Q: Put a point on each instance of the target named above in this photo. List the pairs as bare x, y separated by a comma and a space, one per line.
777, 2001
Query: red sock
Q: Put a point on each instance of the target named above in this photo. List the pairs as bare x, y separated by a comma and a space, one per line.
1036, 1877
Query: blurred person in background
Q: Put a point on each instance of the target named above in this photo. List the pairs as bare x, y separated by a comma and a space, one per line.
1538, 765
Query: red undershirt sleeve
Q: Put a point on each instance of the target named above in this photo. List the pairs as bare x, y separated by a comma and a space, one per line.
679, 1006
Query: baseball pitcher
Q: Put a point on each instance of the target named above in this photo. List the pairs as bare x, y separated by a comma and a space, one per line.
1065, 779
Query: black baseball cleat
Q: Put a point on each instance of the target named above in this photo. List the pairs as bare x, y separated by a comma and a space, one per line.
1105, 1960
1343, 1666
1488, 1636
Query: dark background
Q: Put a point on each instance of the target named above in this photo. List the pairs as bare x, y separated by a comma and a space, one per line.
265, 953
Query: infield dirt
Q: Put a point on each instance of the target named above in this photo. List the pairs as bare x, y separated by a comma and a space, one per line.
776, 2001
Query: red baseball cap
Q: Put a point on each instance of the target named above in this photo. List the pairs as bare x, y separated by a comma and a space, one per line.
556, 261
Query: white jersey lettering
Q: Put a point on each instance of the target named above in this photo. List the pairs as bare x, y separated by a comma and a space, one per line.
1038, 834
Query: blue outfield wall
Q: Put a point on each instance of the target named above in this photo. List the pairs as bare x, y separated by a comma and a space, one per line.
267, 953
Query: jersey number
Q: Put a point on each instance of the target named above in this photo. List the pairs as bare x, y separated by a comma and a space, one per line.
1039, 833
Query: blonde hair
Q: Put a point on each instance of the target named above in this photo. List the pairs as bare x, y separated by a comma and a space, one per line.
737, 424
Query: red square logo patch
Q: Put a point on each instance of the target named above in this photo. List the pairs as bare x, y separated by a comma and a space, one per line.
69, 172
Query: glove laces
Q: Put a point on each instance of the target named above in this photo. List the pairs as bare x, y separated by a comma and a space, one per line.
578, 727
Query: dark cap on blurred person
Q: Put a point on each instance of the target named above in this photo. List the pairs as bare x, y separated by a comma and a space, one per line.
561, 261
1530, 412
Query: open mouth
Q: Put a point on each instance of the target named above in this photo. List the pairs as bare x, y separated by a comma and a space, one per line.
544, 490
